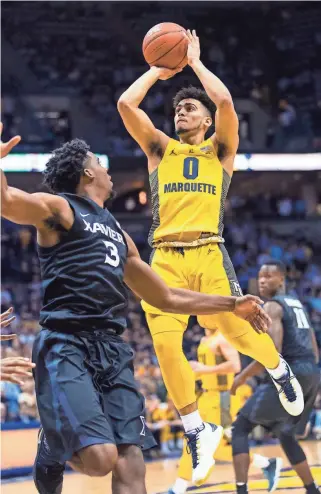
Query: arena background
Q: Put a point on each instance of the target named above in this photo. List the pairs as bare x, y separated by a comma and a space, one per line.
64, 65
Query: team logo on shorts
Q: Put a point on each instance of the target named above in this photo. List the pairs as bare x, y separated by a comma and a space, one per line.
143, 431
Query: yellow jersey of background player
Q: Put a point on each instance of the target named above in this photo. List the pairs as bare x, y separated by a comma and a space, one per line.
189, 181
217, 363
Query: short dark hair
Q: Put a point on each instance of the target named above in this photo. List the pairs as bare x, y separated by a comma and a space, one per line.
278, 264
65, 168
194, 93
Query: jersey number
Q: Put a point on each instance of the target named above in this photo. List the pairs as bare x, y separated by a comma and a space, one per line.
190, 168
112, 256
301, 318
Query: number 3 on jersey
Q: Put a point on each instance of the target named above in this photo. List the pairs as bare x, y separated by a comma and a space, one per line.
112, 256
190, 168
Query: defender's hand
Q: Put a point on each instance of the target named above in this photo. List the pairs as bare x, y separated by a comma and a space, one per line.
261, 321
238, 381
6, 147
7, 337
5, 320
14, 367
194, 49
163, 73
248, 308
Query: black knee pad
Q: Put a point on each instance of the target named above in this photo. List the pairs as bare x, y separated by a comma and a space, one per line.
241, 429
292, 449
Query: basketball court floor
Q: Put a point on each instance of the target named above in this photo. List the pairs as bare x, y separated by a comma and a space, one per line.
161, 474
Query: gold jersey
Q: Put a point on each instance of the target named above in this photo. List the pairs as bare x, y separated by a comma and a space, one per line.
208, 353
188, 190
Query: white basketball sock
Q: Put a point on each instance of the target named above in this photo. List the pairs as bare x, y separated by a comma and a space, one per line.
192, 421
280, 370
180, 486
260, 461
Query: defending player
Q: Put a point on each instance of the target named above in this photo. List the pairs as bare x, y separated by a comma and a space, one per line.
91, 411
189, 182
217, 364
293, 335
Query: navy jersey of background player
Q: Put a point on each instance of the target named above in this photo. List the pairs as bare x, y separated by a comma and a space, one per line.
297, 342
83, 274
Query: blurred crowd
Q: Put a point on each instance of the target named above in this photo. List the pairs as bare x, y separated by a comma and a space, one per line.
272, 206
274, 62
249, 244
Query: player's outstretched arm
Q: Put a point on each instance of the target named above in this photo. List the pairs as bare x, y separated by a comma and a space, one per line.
143, 281
23, 208
138, 124
226, 120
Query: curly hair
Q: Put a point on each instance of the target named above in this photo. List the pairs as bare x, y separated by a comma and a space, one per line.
194, 93
65, 168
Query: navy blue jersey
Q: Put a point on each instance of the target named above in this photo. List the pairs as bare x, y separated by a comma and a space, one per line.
83, 274
297, 342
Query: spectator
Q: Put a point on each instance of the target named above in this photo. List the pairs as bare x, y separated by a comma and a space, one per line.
263, 65
27, 401
285, 207
10, 396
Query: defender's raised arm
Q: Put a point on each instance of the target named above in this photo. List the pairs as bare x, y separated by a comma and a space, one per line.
19, 206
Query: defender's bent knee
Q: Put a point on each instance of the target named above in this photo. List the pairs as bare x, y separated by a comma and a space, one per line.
99, 460
241, 429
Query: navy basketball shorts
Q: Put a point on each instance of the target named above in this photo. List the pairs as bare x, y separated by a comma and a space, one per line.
86, 392
264, 407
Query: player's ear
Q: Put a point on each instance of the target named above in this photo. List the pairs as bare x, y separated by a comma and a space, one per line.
89, 173
208, 122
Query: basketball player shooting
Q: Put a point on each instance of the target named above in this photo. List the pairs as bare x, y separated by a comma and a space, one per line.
91, 412
189, 181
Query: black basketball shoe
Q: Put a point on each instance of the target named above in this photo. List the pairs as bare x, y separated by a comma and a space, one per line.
48, 475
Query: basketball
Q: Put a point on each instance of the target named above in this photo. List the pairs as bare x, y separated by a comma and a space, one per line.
165, 45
